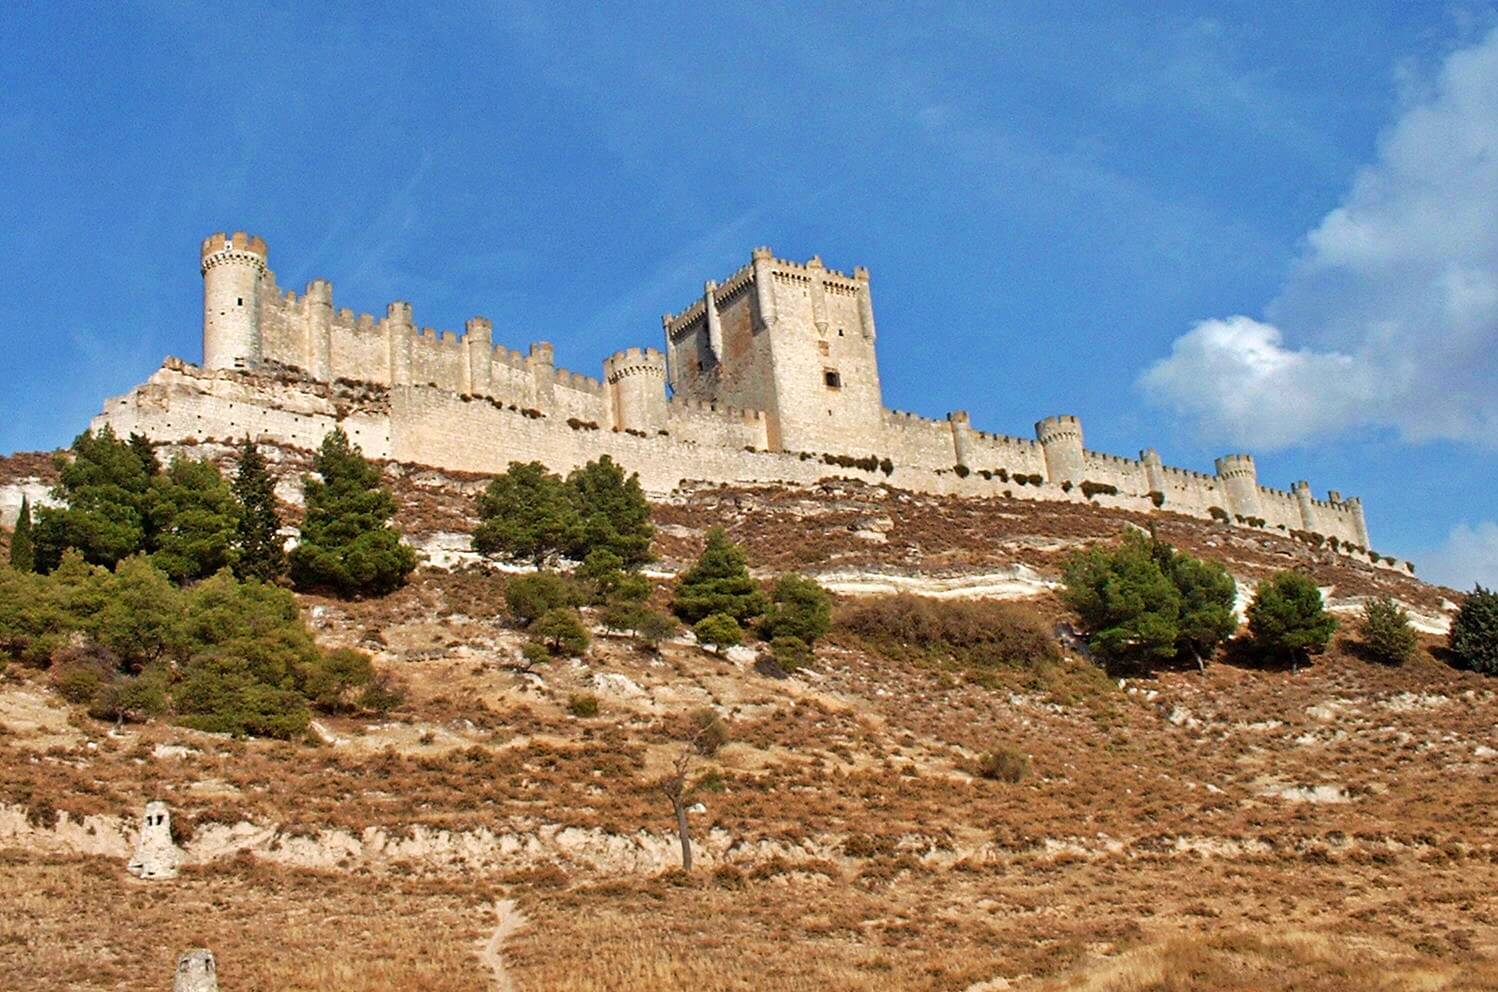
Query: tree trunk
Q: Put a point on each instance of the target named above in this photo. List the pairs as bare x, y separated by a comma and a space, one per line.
1201, 666
681, 832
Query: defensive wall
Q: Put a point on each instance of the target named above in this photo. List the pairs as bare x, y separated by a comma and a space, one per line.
772, 376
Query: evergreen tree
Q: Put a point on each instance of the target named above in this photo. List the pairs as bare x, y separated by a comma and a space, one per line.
800, 609
258, 548
347, 545
1208, 596
1384, 632
1126, 602
526, 513
192, 519
1474, 632
104, 489
22, 555
1287, 619
719, 583
145, 453
612, 513
718, 631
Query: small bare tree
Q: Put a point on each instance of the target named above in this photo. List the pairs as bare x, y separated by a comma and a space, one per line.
674, 786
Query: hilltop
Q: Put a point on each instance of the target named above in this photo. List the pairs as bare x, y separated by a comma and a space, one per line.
1248, 827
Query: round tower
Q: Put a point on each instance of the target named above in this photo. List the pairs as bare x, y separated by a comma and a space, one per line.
232, 266
1304, 502
1240, 483
1154, 471
196, 971
636, 381
962, 437
1061, 437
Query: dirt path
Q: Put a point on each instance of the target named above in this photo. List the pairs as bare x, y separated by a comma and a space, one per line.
492, 953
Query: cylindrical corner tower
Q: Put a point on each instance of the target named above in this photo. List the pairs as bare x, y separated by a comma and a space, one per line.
1359, 521
637, 389
1061, 437
1305, 504
1154, 471
1240, 483
232, 266
962, 437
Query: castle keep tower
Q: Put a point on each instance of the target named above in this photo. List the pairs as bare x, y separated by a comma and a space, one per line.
1061, 437
1240, 483
232, 267
636, 381
794, 340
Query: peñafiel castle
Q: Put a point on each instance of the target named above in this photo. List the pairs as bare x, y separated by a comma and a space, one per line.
772, 377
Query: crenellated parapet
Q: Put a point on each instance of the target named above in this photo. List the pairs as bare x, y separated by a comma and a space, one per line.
233, 267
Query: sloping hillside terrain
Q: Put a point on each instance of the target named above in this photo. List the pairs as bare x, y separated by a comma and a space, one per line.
1248, 827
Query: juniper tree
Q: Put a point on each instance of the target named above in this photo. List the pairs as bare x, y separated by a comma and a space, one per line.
257, 540
526, 513
1474, 631
347, 544
1288, 620
22, 556
719, 583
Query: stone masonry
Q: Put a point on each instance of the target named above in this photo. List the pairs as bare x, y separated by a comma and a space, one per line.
771, 374
156, 856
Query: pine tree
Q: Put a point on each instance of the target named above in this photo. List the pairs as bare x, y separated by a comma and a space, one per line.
105, 491
347, 545
1288, 620
612, 511
191, 520
719, 583
257, 540
22, 556
145, 452
526, 513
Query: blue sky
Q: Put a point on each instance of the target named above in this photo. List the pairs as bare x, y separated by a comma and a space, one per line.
1202, 228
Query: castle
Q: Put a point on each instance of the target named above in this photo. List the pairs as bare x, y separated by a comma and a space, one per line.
772, 377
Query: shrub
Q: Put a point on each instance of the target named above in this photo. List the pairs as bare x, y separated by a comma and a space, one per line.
562, 631
719, 630
1384, 632
706, 730
1004, 764
653, 627
337, 680
719, 582
1287, 619
1218, 513
1091, 489
347, 546
790, 653
529, 596
532, 653
800, 608
962, 471
974, 633
582, 704
886, 466
1157, 497
1474, 631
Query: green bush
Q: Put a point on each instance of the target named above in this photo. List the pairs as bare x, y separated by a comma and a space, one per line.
561, 630
1091, 489
706, 730
719, 582
1384, 632
347, 546
652, 627
529, 596
790, 653
612, 513
336, 682
1474, 631
718, 630
582, 704
1287, 620
105, 490
962, 470
1004, 764
799, 608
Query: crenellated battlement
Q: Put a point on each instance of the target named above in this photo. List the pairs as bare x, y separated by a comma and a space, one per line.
776, 359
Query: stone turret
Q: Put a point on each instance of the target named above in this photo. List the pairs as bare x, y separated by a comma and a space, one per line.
1154, 470
1061, 438
636, 379
1359, 522
398, 333
232, 266
478, 349
1304, 502
962, 437
1240, 484
317, 304
196, 971
155, 857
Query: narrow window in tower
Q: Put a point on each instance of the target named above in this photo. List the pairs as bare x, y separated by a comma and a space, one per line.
239, 302
833, 380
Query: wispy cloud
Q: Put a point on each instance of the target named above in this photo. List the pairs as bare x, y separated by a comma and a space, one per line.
1390, 318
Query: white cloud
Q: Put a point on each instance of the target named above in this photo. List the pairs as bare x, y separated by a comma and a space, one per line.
1395, 297
1470, 555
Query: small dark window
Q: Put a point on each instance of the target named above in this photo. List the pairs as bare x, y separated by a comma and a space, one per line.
839, 332
833, 380
239, 302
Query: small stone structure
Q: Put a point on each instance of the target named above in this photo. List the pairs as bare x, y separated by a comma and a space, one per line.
196, 971
772, 377
156, 857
